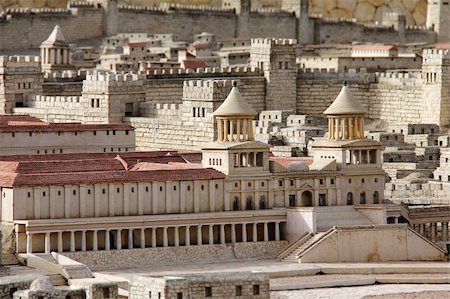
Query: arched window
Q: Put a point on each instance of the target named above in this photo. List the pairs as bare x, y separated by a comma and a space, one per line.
349, 199
262, 202
249, 203
376, 197
235, 203
362, 198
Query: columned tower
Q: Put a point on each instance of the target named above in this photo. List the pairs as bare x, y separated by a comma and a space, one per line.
55, 52
235, 152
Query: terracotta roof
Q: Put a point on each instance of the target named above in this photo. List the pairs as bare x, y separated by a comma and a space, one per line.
61, 169
235, 105
137, 44
285, 161
202, 46
373, 47
443, 46
345, 103
194, 64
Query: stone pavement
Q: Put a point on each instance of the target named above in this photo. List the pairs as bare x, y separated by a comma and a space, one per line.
362, 291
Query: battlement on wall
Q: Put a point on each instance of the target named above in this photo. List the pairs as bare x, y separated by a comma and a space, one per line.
113, 78
40, 101
395, 75
201, 72
76, 4
270, 42
65, 74
22, 61
430, 55
174, 6
141, 8
29, 11
331, 74
209, 89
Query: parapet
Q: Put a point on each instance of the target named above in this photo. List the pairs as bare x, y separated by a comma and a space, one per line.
200, 72
112, 77
273, 41
435, 54
209, 90
331, 74
27, 61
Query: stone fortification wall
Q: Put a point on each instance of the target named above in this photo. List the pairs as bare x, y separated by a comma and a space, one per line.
96, 260
362, 10
55, 101
393, 97
174, 124
316, 90
371, 10
397, 97
339, 31
25, 28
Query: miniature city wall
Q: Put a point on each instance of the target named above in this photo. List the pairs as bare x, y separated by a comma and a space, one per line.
24, 28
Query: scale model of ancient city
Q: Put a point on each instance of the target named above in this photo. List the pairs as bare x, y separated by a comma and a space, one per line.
224, 149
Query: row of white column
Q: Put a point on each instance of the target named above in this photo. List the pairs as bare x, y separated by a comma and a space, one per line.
55, 55
346, 128
234, 129
176, 241
431, 231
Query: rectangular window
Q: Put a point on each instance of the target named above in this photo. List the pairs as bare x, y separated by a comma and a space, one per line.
332, 181
208, 291
256, 289
238, 290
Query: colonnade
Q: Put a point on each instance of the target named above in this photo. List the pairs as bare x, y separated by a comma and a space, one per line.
180, 235
234, 129
55, 55
346, 127
435, 231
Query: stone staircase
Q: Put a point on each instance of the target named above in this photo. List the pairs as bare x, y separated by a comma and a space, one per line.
328, 217
57, 280
299, 248
67, 271
77, 272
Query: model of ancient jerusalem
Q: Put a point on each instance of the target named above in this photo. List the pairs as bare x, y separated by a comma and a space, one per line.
254, 149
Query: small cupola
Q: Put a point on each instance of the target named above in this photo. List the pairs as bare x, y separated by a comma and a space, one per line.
234, 118
345, 117
55, 51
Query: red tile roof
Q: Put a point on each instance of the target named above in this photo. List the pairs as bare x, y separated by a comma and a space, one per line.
62, 169
26, 123
194, 64
372, 47
285, 161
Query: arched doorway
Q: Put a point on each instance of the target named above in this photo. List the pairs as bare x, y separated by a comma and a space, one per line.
376, 197
362, 198
249, 203
292, 200
235, 203
307, 199
262, 202
349, 199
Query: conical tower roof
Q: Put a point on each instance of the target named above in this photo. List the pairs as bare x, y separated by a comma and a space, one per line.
234, 105
345, 103
55, 38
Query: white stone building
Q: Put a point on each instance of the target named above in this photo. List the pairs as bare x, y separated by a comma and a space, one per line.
91, 202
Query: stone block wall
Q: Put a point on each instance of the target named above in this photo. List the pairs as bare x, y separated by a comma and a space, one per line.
116, 259
372, 10
20, 80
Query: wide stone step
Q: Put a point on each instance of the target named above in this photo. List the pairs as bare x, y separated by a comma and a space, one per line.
77, 272
57, 280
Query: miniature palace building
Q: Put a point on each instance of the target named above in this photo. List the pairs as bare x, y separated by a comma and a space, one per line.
232, 191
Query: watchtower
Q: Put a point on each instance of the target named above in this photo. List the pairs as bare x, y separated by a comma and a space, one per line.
436, 87
276, 59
